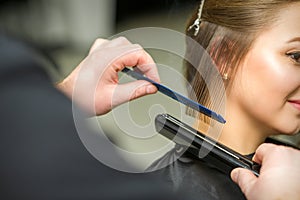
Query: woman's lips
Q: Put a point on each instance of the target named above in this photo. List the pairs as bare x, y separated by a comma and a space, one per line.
295, 103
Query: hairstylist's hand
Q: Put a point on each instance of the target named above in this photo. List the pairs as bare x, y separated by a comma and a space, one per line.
94, 84
279, 175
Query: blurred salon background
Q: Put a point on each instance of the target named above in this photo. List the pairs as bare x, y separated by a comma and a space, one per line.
63, 30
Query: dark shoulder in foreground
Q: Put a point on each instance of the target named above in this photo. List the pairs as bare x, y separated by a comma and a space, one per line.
42, 156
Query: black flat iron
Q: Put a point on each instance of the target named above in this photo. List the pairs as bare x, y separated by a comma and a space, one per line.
218, 154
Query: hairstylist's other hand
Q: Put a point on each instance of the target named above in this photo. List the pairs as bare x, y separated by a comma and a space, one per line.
94, 84
279, 175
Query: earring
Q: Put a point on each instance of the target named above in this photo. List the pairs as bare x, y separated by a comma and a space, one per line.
225, 76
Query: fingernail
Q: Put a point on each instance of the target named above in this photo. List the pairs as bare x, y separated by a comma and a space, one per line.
151, 89
234, 174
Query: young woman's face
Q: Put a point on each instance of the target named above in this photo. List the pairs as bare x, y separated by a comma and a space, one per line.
267, 86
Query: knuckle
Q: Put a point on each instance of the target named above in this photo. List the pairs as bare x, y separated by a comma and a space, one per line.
122, 40
138, 47
99, 41
138, 92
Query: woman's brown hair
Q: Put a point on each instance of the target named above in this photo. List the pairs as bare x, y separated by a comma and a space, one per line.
227, 31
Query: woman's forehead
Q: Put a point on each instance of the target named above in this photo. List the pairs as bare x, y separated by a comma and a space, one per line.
284, 30
287, 25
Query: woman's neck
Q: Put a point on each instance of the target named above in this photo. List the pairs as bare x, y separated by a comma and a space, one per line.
240, 136
239, 133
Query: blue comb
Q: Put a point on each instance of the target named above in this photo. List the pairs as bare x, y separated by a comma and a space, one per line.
176, 96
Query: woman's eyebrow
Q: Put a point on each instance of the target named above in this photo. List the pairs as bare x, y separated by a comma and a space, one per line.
295, 39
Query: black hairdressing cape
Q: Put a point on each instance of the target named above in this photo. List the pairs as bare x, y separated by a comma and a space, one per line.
197, 178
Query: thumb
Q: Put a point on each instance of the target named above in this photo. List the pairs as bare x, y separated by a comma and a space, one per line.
244, 178
132, 90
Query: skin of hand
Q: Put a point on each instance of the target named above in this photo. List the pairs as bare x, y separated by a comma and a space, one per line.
279, 175
94, 83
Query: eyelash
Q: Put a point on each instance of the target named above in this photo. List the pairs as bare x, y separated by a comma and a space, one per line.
295, 56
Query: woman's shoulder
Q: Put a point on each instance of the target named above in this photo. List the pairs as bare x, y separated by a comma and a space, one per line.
183, 171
